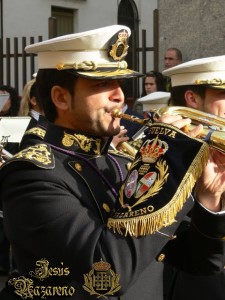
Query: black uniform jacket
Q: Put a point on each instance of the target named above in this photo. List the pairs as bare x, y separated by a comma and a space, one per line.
57, 196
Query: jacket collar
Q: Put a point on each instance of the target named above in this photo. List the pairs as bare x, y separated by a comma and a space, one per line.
70, 140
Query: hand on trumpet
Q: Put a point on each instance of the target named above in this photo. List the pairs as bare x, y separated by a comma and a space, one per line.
211, 185
120, 138
181, 123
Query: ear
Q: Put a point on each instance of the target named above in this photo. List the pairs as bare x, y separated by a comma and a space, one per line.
192, 99
33, 101
60, 97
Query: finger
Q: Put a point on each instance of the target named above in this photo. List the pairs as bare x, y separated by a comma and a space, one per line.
196, 132
122, 132
182, 124
169, 119
124, 139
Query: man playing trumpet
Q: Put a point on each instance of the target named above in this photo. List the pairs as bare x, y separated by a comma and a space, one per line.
200, 84
60, 196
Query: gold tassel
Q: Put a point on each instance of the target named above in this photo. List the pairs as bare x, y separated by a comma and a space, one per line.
149, 224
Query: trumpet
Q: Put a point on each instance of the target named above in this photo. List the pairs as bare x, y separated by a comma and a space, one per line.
213, 126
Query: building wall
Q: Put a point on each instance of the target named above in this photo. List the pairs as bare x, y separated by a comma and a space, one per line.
196, 27
26, 18
30, 17
33, 20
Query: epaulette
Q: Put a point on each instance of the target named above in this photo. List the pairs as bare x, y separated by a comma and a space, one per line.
40, 155
37, 131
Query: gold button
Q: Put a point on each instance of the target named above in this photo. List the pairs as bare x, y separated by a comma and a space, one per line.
161, 257
128, 166
78, 167
106, 207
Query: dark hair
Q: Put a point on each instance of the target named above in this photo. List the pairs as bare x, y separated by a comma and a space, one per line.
159, 80
178, 53
45, 80
33, 93
33, 90
177, 93
15, 100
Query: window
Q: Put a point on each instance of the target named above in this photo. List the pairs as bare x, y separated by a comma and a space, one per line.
64, 20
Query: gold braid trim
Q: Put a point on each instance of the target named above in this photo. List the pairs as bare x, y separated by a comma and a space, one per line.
149, 224
91, 65
215, 81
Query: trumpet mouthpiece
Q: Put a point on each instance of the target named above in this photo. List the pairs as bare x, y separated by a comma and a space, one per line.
116, 113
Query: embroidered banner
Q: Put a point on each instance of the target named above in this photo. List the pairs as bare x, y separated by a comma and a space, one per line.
159, 181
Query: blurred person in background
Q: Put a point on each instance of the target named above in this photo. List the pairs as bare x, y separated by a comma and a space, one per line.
153, 82
153, 102
11, 107
172, 58
29, 105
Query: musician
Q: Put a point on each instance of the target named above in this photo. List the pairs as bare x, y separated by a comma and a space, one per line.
59, 194
200, 84
152, 102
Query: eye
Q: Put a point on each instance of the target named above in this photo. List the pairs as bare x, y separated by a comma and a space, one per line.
121, 83
102, 83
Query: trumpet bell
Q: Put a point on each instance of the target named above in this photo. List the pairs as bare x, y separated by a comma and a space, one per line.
197, 116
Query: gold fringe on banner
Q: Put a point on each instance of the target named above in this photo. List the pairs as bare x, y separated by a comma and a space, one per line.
149, 224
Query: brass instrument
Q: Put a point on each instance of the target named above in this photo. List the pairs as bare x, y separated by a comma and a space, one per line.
131, 147
215, 122
127, 148
213, 126
118, 114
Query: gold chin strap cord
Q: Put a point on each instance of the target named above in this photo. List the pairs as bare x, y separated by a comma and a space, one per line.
91, 65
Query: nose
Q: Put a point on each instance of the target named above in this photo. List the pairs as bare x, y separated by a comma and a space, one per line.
117, 94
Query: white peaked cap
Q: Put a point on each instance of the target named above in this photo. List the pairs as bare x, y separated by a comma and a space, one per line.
209, 71
154, 100
97, 53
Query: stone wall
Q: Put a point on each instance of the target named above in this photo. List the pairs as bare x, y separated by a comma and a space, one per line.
196, 27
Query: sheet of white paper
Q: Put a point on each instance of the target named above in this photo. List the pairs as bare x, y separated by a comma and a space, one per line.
13, 128
3, 99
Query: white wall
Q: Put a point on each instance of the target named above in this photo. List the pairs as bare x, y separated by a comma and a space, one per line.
30, 17
27, 18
